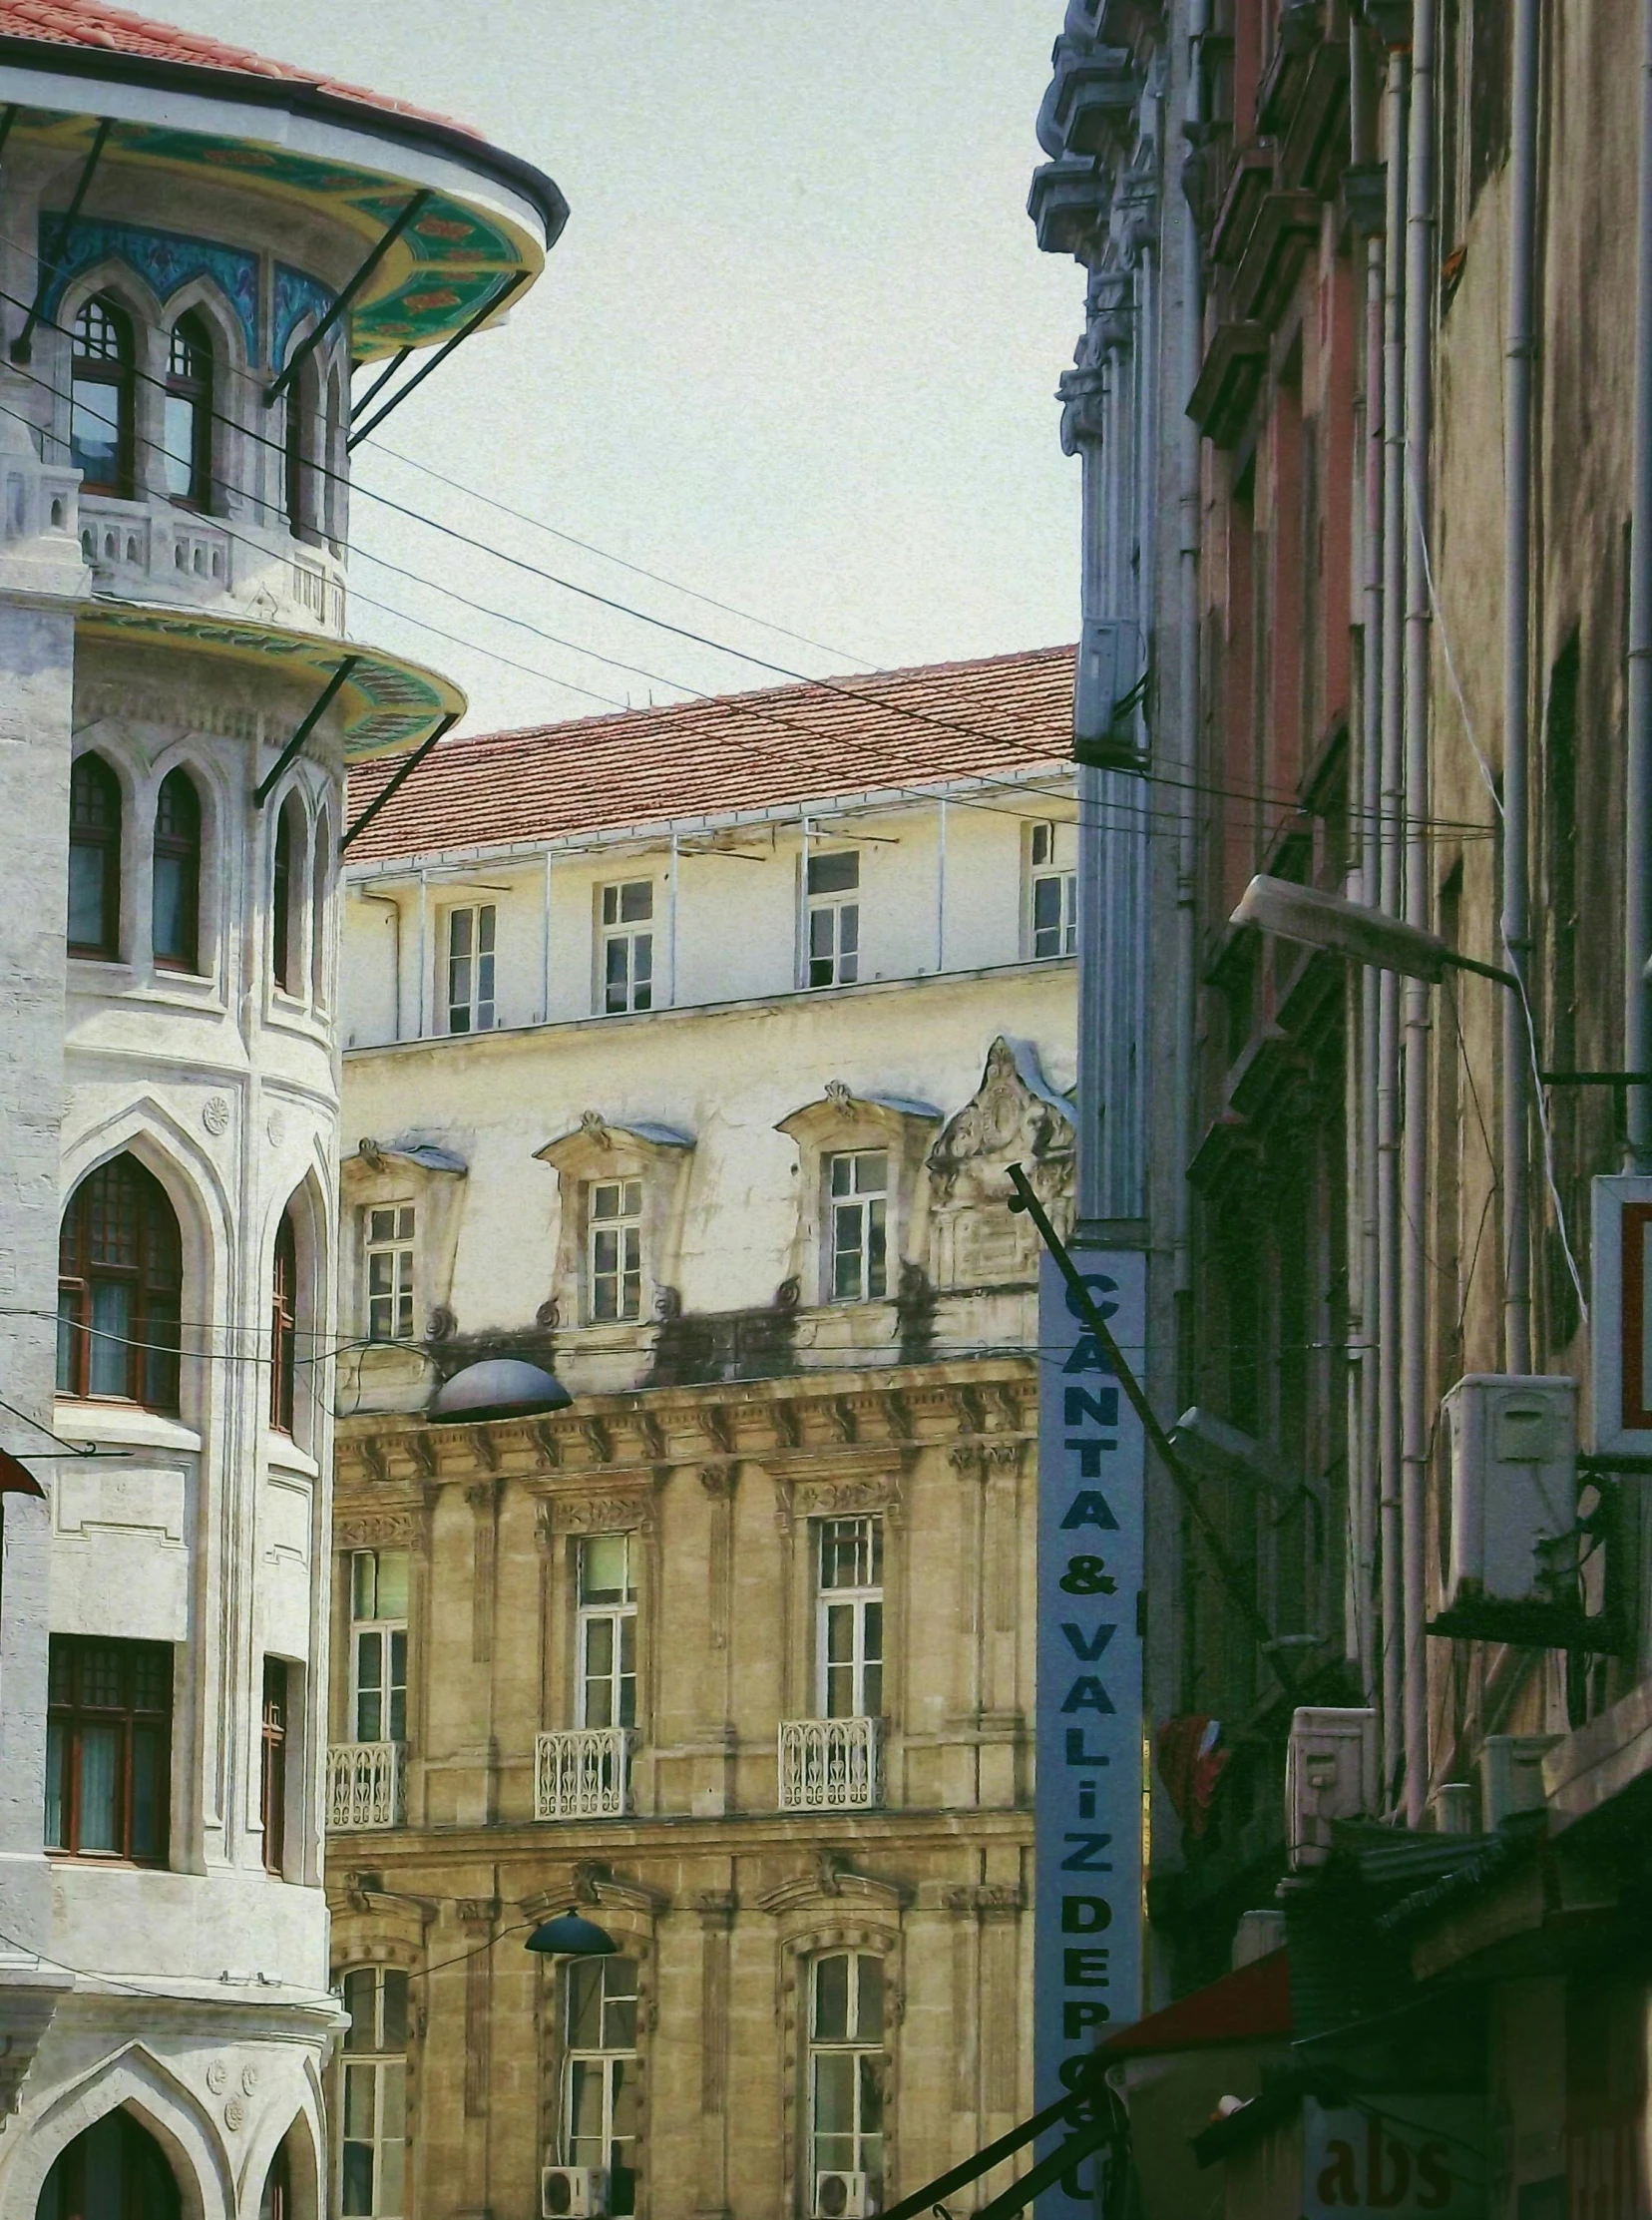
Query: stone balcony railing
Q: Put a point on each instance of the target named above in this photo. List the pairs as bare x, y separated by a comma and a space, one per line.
152, 552
365, 1785
830, 1765
582, 1773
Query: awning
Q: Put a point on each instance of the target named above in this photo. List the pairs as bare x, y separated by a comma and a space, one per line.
1250, 2005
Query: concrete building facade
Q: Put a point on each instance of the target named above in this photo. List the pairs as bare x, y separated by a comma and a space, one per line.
180, 228
689, 1051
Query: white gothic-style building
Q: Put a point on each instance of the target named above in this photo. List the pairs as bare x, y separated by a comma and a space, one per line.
196, 248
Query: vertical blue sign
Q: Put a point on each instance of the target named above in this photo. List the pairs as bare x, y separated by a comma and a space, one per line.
1087, 1812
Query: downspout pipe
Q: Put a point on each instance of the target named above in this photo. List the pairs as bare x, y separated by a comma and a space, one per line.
1389, 892
1516, 893
1190, 466
1413, 1307
1637, 901
1364, 1434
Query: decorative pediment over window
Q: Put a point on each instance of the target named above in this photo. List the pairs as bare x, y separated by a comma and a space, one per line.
1014, 1116
844, 1123
594, 1158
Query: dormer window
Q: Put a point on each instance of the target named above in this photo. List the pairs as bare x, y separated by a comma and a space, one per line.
100, 399
628, 946
1053, 891
833, 952
614, 1231
186, 420
859, 1205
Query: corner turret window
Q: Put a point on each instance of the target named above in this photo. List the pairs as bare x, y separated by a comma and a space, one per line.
186, 444
299, 476
175, 903
283, 912
100, 399
120, 1278
283, 1327
94, 860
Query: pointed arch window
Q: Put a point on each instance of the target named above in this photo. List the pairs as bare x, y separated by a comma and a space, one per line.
176, 900
300, 459
93, 859
100, 399
187, 421
283, 1327
120, 1280
284, 883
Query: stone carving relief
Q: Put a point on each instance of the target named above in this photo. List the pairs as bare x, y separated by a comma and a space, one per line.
834, 1499
1014, 1116
607, 1513
379, 1530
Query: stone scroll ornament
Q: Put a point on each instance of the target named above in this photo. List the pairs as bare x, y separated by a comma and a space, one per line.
1014, 1116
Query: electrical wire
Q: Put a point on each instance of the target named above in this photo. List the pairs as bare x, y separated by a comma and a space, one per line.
856, 692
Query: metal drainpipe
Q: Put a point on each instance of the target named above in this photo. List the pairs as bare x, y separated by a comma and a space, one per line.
1388, 1002
1413, 1308
1637, 901
1364, 1432
1190, 458
1516, 903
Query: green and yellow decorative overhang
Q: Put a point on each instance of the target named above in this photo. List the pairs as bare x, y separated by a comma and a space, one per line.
487, 220
386, 705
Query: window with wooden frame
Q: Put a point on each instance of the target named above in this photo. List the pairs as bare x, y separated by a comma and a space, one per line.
389, 1255
283, 1326
856, 1185
850, 1610
846, 2069
298, 453
469, 984
175, 898
627, 947
119, 1282
600, 2112
613, 1251
273, 1769
283, 912
186, 416
1051, 890
832, 953
94, 814
373, 2147
606, 1635
109, 1749
378, 1644
101, 429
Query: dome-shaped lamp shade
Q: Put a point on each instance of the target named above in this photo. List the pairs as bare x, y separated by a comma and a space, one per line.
571, 1936
500, 1388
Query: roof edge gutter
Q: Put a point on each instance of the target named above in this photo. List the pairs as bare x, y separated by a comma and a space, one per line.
297, 97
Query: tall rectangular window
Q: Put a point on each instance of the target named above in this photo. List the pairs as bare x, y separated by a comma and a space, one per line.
858, 1203
606, 1631
628, 946
1053, 890
614, 1231
378, 1644
273, 1771
108, 1748
389, 1260
600, 2109
373, 2146
832, 957
469, 986
850, 1630
846, 2070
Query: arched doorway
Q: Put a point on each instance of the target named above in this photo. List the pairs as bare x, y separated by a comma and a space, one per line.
116, 2170
276, 2202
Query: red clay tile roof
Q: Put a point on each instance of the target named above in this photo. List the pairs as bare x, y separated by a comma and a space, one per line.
738, 752
82, 23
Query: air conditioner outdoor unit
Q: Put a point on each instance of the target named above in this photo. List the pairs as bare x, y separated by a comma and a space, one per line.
1514, 1450
842, 2197
1511, 1776
574, 2192
1330, 1773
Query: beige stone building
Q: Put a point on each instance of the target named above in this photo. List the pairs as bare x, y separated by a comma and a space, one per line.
705, 1101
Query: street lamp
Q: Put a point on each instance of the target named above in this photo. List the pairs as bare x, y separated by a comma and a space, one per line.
1366, 936
499, 1388
570, 1935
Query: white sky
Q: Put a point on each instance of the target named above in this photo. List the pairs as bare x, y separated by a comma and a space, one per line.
797, 346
